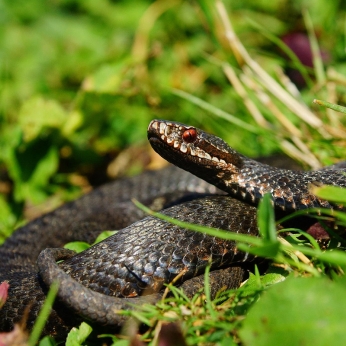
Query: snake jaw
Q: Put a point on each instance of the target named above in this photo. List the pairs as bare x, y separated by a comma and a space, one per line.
194, 144
191, 149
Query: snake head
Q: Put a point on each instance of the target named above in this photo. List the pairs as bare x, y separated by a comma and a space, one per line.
194, 150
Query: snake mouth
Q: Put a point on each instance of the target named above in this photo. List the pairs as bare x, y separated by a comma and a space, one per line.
153, 134
173, 139
162, 138
155, 140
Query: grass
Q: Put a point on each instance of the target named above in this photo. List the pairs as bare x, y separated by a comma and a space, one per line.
43, 316
84, 81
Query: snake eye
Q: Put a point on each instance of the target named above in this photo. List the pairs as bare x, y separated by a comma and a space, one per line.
190, 135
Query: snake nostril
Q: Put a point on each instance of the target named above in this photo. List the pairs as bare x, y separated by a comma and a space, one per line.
189, 135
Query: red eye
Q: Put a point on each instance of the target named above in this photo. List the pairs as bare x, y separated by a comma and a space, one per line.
190, 135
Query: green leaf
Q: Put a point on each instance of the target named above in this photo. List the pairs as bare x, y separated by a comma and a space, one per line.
120, 343
298, 311
47, 341
274, 275
32, 175
258, 282
77, 246
253, 282
37, 113
331, 193
77, 336
106, 79
336, 257
73, 122
80, 246
7, 219
104, 235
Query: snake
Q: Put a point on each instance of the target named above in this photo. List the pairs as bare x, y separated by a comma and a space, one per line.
209, 184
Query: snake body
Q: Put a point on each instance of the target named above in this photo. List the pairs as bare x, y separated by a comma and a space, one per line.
140, 258
211, 159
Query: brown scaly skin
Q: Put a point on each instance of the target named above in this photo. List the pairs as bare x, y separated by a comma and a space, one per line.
211, 159
108, 207
140, 258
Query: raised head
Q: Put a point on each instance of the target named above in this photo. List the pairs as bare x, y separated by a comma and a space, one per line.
194, 150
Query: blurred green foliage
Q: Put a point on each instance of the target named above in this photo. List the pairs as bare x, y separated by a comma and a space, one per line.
80, 81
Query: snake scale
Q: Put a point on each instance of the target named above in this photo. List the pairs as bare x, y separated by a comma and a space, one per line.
132, 266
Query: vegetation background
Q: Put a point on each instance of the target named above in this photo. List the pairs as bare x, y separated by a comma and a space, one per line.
81, 79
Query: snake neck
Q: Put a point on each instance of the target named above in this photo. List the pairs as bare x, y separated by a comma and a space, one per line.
213, 160
196, 151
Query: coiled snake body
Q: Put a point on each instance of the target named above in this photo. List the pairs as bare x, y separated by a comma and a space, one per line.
141, 257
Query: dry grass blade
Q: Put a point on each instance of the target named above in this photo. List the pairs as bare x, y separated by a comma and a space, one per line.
301, 256
300, 133
294, 152
254, 111
287, 83
268, 82
310, 157
268, 103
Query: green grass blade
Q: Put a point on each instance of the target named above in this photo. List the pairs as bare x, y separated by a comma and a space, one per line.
43, 315
266, 219
214, 232
331, 193
333, 106
210, 308
216, 111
